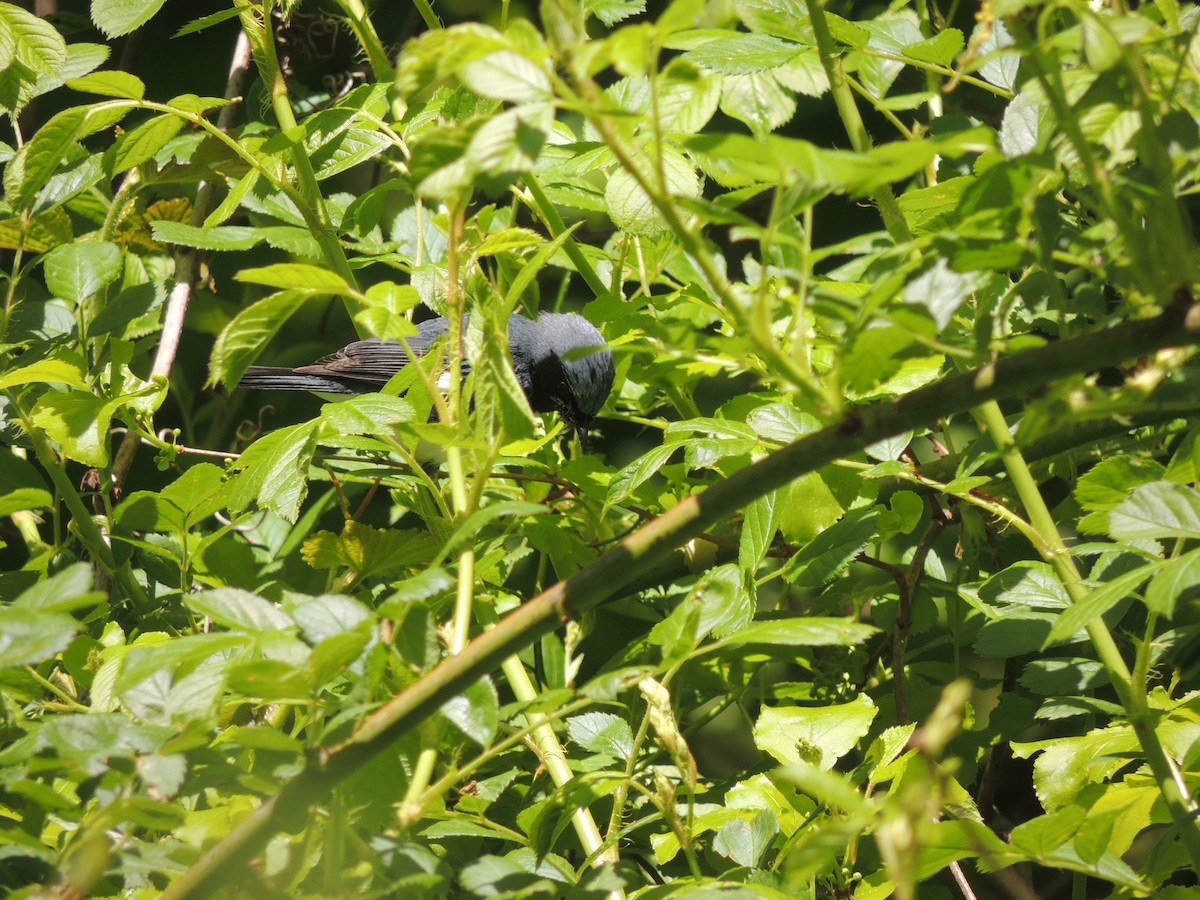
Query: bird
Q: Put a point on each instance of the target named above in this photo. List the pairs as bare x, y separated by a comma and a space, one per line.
560, 360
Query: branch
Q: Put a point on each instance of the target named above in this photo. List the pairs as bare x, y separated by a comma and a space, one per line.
187, 259
636, 554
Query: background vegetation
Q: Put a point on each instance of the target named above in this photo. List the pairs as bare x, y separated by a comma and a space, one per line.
881, 576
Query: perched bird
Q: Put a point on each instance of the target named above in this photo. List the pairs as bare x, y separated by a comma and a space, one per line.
554, 379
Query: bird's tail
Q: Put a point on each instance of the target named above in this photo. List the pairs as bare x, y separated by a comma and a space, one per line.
280, 379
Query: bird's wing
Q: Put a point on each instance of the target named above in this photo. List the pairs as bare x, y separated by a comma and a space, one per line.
375, 361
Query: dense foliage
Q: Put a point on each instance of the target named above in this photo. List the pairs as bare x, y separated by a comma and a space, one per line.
880, 575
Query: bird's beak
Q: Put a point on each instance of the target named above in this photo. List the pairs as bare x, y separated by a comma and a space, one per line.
582, 431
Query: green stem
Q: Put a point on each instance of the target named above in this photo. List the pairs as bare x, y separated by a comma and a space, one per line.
425, 8
313, 206
554, 222
843, 98
1131, 695
550, 754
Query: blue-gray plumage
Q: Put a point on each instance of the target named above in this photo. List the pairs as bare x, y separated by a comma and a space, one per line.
559, 359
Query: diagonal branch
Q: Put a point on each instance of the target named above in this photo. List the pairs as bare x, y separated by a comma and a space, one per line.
640, 551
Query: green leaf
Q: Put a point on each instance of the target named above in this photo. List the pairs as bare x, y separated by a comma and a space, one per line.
157, 652
1157, 510
29, 40
296, 276
1176, 580
941, 49
718, 603
475, 712
117, 17
803, 631
238, 609
243, 339
489, 513
1032, 584
632, 210
743, 54
276, 471
28, 171
142, 143
75, 272
942, 291
505, 75
197, 492
323, 617
24, 499
367, 550
819, 736
206, 22
113, 83
600, 732
829, 553
367, 414
78, 420
225, 237
758, 531
744, 840
626, 481
28, 636
430, 583
63, 591
759, 100
50, 371
1098, 601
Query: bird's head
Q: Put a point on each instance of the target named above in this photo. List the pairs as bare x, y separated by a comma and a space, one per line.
573, 370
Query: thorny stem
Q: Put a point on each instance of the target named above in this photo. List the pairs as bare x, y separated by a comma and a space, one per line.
1131, 694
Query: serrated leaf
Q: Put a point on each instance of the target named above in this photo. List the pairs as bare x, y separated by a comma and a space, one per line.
295, 276
819, 736
759, 100
243, 339
489, 513
1098, 601
47, 371
235, 608
367, 550
113, 83
803, 631
743, 54
626, 481
77, 271
600, 732
827, 555
225, 237
30, 40
1157, 510
759, 525
161, 653
28, 636
506, 75
275, 471
328, 614
1177, 580
1032, 584
475, 712
117, 17
631, 208
142, 143
744, 840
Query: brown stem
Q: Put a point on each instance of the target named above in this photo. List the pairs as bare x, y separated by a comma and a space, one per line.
187, 259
